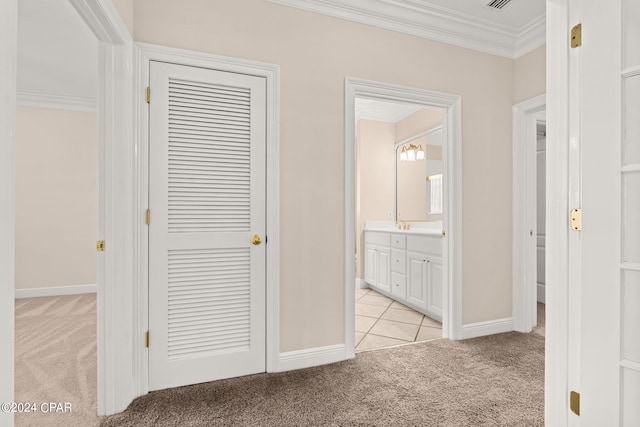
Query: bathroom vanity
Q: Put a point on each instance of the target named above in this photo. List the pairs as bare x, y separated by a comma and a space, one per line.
406, 265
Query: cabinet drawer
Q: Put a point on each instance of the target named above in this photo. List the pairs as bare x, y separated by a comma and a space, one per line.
425, 244
375, 238
398, 241
399, 285
398, 261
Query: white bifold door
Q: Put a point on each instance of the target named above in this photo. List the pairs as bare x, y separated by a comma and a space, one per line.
206, 237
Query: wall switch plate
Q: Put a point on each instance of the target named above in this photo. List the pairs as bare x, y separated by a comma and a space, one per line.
389, 214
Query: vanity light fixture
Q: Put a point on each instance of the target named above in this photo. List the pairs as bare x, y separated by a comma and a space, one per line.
403, 154
412, 153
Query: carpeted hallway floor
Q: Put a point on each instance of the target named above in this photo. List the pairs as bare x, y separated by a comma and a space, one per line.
490, 381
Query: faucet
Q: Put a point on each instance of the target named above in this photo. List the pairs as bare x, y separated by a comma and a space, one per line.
402, 224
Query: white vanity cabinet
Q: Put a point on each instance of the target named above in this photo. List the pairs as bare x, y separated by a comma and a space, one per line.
377, 261
414, 262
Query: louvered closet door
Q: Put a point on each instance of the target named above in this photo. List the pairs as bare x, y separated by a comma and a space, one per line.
207, 200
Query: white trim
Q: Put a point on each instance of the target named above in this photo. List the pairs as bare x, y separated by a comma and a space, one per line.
525, 212
557, 238
433, 22
117, 221
541, 293
44, 100
452, 223
491, 327
361, 284
531, 37
53, 291
143, 54
8, 61
310, 357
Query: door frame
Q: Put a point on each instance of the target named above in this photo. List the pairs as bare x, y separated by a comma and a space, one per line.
143, 54
557, 337
525, 117
8, 60
115, 391
452, 223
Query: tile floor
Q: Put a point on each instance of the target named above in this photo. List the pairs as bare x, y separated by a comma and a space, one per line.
383, 322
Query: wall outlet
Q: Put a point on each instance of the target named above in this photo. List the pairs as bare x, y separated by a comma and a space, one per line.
389, 214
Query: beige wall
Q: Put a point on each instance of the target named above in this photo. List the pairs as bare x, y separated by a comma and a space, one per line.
316, 53
56, 197
125, 9
530, 75
420, 121
374, 177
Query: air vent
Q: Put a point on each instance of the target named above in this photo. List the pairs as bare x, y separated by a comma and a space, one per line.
498, 4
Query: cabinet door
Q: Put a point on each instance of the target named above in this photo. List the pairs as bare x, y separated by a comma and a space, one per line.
417, 279
371, 265
384, 273
434, 286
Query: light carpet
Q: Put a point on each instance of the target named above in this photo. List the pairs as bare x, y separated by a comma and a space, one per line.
489, 381
55, 360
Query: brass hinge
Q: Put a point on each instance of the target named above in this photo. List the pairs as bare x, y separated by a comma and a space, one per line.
100, 246
148, 95
576, 219
148, 219
146, 339
576, 36
574, 402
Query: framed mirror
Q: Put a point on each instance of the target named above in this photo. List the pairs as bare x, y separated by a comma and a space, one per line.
419, 177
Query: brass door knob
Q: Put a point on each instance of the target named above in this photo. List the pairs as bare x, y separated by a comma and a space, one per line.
256, 240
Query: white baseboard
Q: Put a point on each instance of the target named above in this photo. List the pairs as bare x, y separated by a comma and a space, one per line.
310, 357
56, 291
480, 329
542, 296
361, 284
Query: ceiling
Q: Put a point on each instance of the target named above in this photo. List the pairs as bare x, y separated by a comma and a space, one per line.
514, 30
57, 53
57, 56
383, 111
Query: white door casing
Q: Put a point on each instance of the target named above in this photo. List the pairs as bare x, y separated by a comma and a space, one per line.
583, 267
451, 106
207, 197
8, 61
525, 116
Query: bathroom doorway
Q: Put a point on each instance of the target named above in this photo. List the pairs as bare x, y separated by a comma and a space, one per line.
395, 188
396, 120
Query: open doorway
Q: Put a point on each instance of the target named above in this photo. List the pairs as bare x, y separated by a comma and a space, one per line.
449, 231
56, 211
529, 214
399, 227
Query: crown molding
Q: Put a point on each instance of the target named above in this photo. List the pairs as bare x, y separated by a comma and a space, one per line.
43, 100
531, 37
433, 23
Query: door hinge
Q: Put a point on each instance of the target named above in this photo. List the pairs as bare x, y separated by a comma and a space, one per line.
576, 36
148, 95
574, 402
148, 218
100, 246
576, 219
146, 339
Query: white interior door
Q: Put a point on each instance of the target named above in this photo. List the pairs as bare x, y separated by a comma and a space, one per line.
604, 307
207, 199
